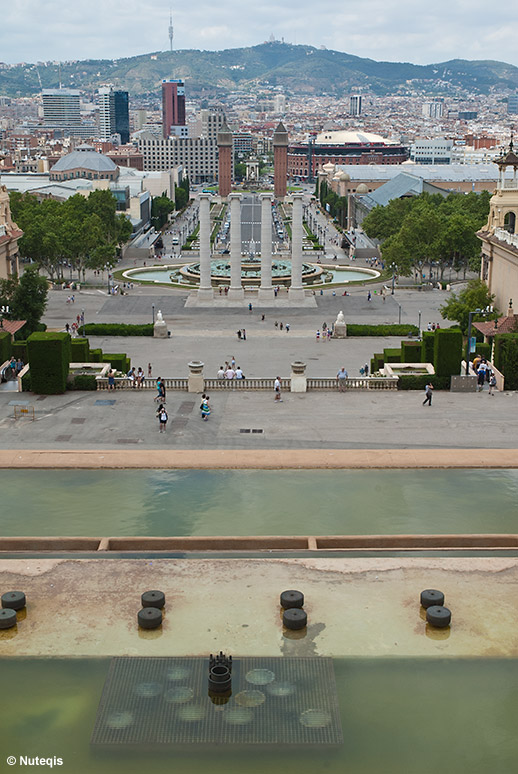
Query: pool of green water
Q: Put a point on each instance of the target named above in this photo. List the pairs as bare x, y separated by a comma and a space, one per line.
398, 717
320, 502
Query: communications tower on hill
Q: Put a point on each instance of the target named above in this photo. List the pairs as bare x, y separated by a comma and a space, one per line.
171, 29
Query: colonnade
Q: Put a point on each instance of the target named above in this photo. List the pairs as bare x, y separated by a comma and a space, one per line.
236, 290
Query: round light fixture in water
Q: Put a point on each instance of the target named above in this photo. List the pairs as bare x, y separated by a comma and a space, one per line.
180, 694
281, 689
238, 716
250, 698
148, 690
177, 673
260, 677
192, 713
119, 720
315, 718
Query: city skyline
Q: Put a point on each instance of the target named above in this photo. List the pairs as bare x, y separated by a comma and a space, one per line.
394, 30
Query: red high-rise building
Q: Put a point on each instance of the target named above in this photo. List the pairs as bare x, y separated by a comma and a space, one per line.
224, 160
173, 105
280, 161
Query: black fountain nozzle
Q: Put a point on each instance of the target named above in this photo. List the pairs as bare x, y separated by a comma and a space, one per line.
220, 674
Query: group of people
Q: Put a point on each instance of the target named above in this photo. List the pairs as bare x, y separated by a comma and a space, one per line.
241, 334
162, 415
484, 374
136, 377
16, 365
325, 335
281, 326
433, 326
230, 370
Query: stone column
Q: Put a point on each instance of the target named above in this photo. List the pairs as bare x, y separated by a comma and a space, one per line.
266, 289
195, 382
205, 290
296, 292
235, 290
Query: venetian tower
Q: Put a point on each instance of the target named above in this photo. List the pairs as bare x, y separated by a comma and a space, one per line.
280, 160
224, 160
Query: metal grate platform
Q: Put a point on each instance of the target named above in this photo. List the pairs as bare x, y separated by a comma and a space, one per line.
164, 701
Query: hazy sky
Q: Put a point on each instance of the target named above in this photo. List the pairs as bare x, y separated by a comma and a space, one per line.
420, 31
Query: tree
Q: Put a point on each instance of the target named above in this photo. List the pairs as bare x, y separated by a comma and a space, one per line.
181, 197
161, 206
475, 296
26, 298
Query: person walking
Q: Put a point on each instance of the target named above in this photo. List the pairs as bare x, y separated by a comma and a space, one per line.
428, 391
340, 379
318, 336
369, 296
287, 327
205, 408
243, 334
277, 388
162, 418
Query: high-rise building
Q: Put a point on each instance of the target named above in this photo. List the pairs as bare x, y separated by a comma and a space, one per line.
433, 109
173, 105
113, 114
355, 104
61, 108
512, 103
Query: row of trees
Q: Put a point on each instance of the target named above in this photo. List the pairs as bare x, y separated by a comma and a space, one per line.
430, 228
81, 233
332, 203
24, 298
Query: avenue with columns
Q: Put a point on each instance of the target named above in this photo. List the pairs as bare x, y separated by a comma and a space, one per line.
236, 291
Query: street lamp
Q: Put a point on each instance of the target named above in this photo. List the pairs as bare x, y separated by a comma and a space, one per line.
419, 324
393, 266
83, 321
399, 306
153, 312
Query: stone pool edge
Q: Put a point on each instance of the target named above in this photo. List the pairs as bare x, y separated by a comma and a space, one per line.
266, 459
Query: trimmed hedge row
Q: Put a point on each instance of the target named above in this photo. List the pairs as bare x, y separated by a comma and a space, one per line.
483, 349
506, 358
382, 330
411, 351
392, 355
5, 346
79, 351
49, 358
19, 350
96, 356
447, 352
83, 382
427, 345
118, 329
419, 382
119, 361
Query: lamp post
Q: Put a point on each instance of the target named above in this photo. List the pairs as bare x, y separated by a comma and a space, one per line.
153, 312
399, 311
393, 266
83, 321
419, 324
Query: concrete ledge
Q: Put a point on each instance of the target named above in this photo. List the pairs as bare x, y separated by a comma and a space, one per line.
266, 459
144, 544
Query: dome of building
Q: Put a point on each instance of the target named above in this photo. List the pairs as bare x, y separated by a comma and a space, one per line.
349, 138
344, 177
362, 189
86, 158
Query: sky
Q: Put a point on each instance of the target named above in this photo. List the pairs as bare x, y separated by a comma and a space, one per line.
418, 31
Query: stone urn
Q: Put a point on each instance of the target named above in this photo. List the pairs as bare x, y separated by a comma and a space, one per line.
196, 382
298, 379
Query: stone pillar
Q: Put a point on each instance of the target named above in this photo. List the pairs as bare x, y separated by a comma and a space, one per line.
195, 382
296, 292
266, 289
205, 290
235, 290
298, 377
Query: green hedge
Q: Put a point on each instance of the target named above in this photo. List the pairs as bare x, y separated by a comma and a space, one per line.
79, 351
19, 350
5, 346
83, 382
420, 382
96, 356
427, 346
49, 358
392, 355
483, 349
506, 358
382, 330
26, 382
411, 351
377, 362
118, 329
119, 361
447, 352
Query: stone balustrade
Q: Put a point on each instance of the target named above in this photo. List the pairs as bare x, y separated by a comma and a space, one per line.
257, 383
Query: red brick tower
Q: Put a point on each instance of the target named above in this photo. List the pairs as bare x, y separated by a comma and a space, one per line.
280, 160
225, 160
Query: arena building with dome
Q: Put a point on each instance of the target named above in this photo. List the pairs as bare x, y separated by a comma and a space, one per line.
84, 162
342, 147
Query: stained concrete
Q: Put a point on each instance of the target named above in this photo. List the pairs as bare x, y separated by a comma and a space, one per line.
356, 607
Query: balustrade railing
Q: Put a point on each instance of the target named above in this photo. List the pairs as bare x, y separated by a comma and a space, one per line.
123, 383
353, 383
257, 383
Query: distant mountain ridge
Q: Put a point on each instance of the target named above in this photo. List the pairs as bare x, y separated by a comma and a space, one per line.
299, 69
